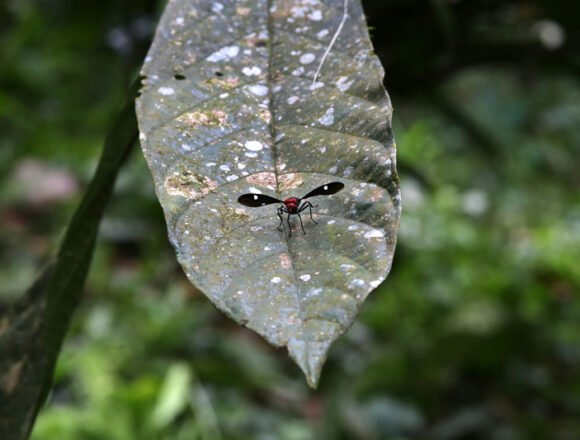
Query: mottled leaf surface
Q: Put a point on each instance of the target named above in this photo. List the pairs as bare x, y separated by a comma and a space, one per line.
229, 106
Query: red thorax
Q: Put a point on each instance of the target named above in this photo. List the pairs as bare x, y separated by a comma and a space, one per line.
292, 204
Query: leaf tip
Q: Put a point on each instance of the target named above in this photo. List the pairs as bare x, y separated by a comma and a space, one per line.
310, 357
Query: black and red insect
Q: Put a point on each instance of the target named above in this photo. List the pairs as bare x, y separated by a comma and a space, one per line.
291, 205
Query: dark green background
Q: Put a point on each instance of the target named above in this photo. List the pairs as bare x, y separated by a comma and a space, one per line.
476, 333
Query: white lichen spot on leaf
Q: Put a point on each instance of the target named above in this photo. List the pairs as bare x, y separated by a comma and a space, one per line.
254, 145
224, 54
307, 58
251, 71
328, 117
258, 89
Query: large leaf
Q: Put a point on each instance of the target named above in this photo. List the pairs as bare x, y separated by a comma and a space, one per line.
230, 105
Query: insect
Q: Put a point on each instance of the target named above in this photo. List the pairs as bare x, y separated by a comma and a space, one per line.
291, 205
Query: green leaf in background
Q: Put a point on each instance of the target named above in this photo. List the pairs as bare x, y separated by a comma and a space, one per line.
173, 397
278, 98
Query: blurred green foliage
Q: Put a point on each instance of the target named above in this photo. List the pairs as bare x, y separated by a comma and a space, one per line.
476, 333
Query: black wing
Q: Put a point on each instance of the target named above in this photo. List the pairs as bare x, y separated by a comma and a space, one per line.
325, 190
257, 200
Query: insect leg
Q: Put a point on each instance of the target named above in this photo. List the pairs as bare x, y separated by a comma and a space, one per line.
309, 205
281, 219
301, 224
289, 226
311, 213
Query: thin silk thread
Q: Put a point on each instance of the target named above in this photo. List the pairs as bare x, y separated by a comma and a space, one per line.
328, 49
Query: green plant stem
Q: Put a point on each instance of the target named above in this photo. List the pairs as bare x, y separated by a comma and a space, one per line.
32, 331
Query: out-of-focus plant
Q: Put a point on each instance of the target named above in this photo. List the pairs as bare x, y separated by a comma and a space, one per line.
476, 335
